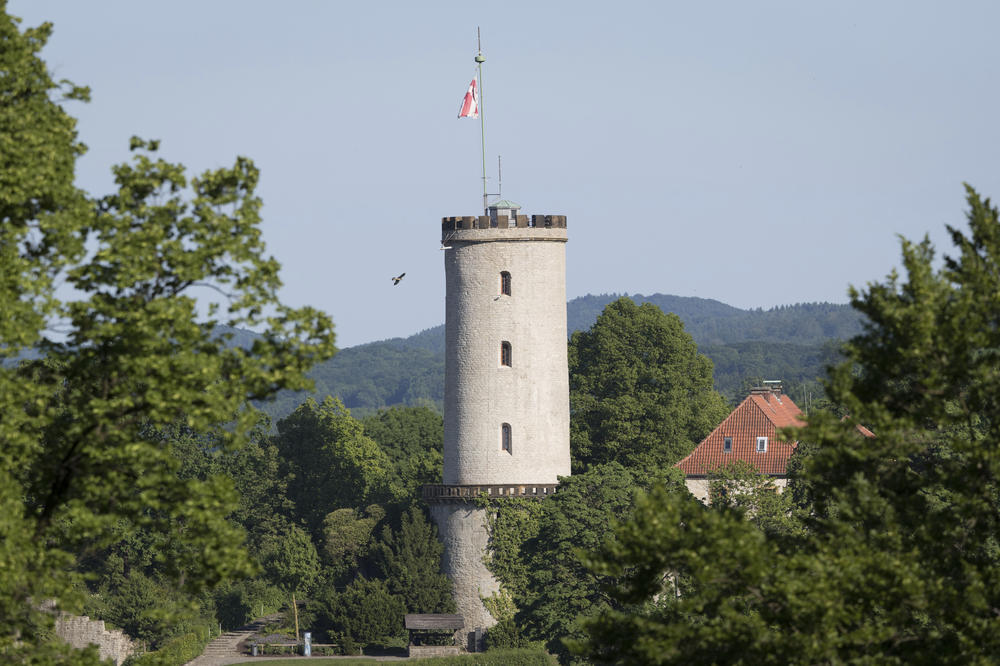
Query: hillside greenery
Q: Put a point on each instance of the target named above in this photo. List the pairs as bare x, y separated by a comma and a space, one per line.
793, 343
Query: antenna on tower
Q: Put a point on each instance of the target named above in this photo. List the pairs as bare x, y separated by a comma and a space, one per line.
499, 179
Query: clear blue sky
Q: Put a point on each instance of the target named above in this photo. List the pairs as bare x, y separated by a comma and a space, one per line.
758, 153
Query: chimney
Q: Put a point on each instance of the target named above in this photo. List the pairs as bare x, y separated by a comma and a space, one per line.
770, 387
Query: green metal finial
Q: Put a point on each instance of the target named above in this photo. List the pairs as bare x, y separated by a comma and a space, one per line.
480, 58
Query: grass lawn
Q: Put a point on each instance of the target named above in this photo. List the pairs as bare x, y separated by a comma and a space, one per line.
522, 657
318, 661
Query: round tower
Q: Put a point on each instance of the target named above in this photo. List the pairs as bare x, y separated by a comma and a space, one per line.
506, 401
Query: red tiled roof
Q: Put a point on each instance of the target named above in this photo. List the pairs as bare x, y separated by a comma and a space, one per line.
865, 432
760, 415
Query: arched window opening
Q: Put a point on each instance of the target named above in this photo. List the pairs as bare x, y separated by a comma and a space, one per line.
505, 354
505, 443
505, 283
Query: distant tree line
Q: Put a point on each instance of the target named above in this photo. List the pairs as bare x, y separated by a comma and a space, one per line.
793, 343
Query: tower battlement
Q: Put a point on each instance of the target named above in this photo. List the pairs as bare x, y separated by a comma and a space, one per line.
470, 222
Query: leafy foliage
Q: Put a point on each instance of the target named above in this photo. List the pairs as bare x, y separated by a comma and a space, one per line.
412, 438
534, 547
364, 613
290, 559
741, 487
409, 559
79, 463
237, 603
640, 393
898, 563
330, 462
739, 366
347, 540
359, 484
178, 650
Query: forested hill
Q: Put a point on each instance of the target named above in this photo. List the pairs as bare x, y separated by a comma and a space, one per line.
410, 371
711, 322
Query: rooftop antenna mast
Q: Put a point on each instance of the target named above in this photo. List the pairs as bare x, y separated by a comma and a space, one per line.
480, 59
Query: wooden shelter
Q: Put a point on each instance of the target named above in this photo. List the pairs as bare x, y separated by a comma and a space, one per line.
433, 634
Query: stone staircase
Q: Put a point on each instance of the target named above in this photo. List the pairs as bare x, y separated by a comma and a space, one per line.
225, 648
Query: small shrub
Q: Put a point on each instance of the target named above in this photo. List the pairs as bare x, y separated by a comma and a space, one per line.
238, 603
505, 635
348, 646
174, 652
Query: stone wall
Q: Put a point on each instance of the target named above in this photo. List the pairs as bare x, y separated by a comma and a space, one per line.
482, 394
462, 530
699, 486
80, 631
424, 651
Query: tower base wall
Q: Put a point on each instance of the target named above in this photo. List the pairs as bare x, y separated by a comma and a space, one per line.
462, 530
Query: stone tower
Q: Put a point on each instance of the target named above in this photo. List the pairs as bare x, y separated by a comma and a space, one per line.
506, 400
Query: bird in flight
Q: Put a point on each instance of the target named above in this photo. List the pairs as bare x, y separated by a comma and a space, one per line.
396, 280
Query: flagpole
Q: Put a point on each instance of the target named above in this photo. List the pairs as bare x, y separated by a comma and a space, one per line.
482, 110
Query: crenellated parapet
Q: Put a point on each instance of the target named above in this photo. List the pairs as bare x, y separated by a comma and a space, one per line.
470, 222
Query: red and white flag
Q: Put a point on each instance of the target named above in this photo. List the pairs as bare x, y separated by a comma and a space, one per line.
470, 105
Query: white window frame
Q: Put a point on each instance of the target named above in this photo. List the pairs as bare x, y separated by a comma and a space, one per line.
727, 444
762, 445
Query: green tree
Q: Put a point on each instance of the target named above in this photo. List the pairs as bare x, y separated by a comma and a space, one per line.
534, 551
348, 539
741, 486
364, 613
128, 353
239, 602
899, 562
409, 560
331, 463
722, 558
253, 470
43, 214
145, 609
412, 437
290, 560
640, 393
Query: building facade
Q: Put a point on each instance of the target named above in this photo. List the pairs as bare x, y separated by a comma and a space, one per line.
748, 434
